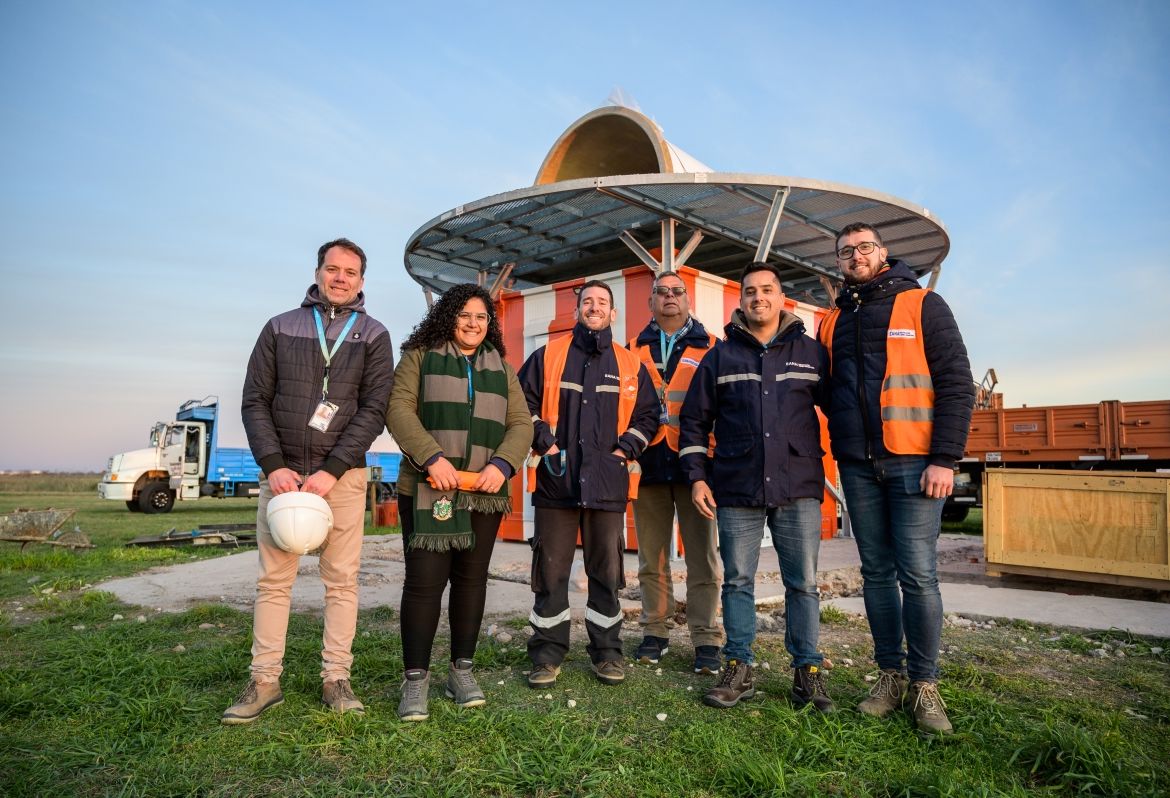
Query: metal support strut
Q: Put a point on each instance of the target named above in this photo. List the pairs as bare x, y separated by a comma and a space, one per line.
770, 226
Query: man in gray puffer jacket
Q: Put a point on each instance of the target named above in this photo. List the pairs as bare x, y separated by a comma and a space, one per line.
314, 400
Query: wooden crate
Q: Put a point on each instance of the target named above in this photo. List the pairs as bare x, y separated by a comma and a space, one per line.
1100, 526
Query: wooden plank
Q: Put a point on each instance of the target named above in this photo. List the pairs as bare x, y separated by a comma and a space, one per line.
1095, 522
1078, 576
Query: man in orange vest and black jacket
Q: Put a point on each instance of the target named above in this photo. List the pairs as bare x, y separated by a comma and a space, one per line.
594, 411
671, 347
900, 410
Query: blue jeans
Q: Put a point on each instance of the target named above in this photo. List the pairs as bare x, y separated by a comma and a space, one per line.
897, 528
796, 536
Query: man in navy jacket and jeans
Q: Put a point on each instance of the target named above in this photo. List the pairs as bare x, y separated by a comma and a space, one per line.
758, 391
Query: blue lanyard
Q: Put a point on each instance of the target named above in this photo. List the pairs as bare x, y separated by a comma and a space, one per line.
667, 346
470, 388
329, 353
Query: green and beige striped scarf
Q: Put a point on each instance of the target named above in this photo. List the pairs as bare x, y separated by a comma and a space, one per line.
468, 425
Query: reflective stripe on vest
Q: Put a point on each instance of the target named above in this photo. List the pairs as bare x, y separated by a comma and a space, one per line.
556, 353
907, 395
675, 391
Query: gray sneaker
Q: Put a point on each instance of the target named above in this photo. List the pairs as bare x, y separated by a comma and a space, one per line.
929, 709
461, 685
887, 694
339, 697
257, 697
413, 705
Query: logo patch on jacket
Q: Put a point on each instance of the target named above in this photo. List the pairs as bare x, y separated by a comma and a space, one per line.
690, 361
901, 333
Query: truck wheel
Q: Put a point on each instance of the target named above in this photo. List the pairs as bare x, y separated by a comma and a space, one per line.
132, 506
956, 513
156, 498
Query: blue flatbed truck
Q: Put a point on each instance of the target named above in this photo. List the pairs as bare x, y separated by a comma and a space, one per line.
185, 462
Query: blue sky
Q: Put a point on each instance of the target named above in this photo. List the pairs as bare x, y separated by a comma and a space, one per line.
167, 169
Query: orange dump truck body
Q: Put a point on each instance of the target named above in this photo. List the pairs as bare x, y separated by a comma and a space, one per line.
1107, 431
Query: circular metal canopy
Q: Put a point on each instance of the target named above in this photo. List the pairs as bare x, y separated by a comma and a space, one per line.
573, 228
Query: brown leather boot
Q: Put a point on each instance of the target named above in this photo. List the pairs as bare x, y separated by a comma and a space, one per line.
808, 687
736, 682
339, 697
887, 694
257, 697
609, 671
929, 709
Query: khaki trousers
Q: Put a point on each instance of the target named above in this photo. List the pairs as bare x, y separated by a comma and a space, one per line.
654, 513
339, 563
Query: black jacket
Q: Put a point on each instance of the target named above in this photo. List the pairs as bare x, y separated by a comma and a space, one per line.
660, 463
859, 356
283, 387
761, 401
587, 429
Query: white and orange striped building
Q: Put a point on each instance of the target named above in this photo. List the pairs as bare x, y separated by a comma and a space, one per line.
531, 318
612, 192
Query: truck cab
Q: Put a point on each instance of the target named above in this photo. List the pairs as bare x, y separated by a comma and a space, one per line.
184, 462
140, 477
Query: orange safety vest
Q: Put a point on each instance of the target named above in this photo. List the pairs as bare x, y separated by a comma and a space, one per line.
907, 397
556, 353
674, 392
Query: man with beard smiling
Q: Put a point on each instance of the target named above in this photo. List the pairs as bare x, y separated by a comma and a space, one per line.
758, 391
594, 411
902, 396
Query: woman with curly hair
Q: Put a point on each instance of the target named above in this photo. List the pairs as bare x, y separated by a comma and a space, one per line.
459, 416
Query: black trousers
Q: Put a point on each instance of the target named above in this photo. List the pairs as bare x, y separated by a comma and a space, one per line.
427, 575
553, 546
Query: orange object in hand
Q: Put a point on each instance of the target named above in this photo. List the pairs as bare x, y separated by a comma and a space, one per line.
466, 480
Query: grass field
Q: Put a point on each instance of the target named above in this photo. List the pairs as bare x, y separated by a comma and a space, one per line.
95, 704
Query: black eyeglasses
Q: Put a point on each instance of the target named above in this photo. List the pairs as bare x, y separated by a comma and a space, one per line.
667, 290
865, 247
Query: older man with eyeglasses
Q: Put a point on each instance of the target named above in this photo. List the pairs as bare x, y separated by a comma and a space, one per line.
671, 347
901, 396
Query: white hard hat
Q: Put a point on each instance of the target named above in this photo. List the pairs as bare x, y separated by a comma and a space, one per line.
299, 522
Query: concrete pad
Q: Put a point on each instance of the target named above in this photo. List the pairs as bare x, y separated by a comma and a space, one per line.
980, 602
231, 581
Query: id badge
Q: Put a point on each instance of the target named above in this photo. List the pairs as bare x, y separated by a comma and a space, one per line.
322, 416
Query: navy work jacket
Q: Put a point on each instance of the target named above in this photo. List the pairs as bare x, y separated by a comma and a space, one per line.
761, 400
594, 478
